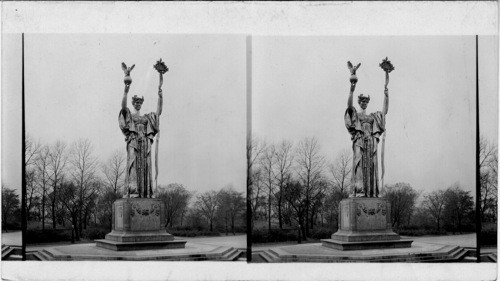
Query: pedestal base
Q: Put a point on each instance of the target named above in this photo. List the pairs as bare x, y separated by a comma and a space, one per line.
132, 246
143, 236
364, 236
138, 225
365, 223
375, 244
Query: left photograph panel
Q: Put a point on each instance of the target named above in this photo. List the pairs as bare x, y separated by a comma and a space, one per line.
135, 147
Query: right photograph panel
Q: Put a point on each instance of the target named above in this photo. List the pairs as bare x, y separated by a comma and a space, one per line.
364, 148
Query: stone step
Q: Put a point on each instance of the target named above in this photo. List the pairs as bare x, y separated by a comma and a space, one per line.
269, 256
6, 252
266, 257
469, 259
15, 258
43, 256
232, 256
459, 254
493, 257
230, 249
40, 257
16, 250
30, 256
456, 256
453, 253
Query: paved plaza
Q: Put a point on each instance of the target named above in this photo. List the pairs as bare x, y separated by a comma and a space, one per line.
197, 248
235, 241
214, 244
462, 240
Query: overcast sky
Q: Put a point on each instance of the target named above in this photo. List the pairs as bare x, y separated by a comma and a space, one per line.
301, 84
74, 87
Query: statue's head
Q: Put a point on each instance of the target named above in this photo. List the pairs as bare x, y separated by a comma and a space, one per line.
363, 101
137, 102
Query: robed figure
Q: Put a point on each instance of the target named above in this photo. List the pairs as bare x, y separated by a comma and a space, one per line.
365, 130
139, 131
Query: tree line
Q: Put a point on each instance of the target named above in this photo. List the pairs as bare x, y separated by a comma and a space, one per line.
67, 186
295, 186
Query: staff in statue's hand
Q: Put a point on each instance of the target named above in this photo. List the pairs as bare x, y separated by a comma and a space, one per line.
162, 69
387, 66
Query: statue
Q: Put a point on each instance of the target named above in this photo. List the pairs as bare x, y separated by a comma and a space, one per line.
139, 131
366, 130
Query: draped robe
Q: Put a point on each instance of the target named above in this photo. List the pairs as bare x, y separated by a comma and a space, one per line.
365, 133
139, 132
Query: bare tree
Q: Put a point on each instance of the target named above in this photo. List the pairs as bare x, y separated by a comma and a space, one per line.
176, 198
267, 164
231, 203
69, 197
458, 207
434, 204
254, 151
294, 194
341, 169
84, 167
207, 204
42, 165
284, 160
332, 204
114, 170
310, 165
32, 149
488, 163
255, 195
57, 163
10, 206
402, 198
255, 148
31, 191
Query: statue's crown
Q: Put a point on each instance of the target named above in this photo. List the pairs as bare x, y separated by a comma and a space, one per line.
135, 98
362, 97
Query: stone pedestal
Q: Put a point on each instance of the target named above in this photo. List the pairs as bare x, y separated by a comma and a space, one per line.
138, 224
365, 223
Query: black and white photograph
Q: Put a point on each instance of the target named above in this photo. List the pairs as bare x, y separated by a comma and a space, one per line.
364, 148
101, 183
249, 140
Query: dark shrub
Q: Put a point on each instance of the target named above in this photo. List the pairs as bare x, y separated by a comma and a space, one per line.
186, 227
417, 231
240, 229
95, 233
489, 237
275, 235
47, 235
193, 233
321, 233
13, 226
